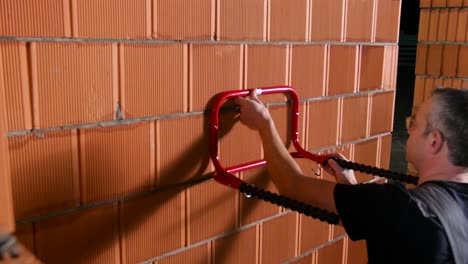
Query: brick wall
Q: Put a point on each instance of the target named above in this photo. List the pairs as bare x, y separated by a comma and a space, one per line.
442, 51
107, 133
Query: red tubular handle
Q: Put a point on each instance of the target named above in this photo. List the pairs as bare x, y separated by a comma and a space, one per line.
225, 176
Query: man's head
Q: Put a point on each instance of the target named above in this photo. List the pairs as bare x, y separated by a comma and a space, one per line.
441, 120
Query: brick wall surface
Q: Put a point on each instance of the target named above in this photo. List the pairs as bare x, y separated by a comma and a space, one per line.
104, 141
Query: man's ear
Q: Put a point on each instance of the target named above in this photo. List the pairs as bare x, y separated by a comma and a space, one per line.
436, 141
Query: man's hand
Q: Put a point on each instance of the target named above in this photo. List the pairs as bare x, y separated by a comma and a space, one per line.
253, 112
343, 176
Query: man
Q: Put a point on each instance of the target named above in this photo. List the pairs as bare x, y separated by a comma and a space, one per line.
397, 226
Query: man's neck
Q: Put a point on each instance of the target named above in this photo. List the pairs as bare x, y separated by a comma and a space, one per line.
444, 173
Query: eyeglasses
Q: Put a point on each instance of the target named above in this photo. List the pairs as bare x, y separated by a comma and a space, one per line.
410, 122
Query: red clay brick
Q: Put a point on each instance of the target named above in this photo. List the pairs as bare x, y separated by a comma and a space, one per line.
116, 161
16, 83
45, 173
182, 149
462, 68
424, 19
449, 60
327, 20
23, 18
359, 20
152, 225
443, 23
388, 21
381, 116
439, 3
213, 69
452, 24
179, 19
89, 236
73, 83
462, 24
343, 72
433, 25
116, 19
241, 19
153, 79
385, 151
212, 210
279, 239
309, 70
372, 67
313, 233
421, 59
332, 254
425, 3
454, 2
289, 20
266, 65
354, 118
324, 118
434, 59
239, 247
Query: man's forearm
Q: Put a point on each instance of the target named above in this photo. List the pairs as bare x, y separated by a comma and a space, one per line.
289, 178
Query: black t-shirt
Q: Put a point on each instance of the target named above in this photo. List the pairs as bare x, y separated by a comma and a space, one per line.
388, 218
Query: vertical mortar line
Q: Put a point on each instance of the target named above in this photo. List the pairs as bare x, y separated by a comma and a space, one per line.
266, 21
34, 84
357, 71
155, 19
25, 83
399, 22
241, 66
395, 66
258, 243
379, 152
298, 235
149, 18
374, 20
245, 65
190, 77
213, 20
186, 73
239, 200
308, 20
121, 79
66, 18
115, 80
340, 121
306, 125
344, 260
75, 166
369, 114
211, 252
74, 18
326, 73
218, 20
344, 16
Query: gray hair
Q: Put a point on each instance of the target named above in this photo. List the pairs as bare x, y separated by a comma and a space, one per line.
449, 115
